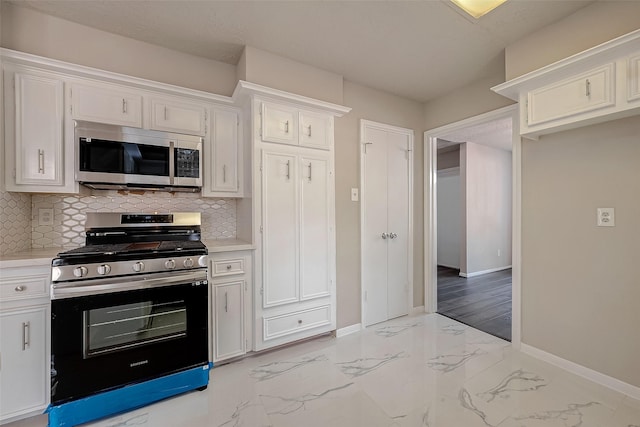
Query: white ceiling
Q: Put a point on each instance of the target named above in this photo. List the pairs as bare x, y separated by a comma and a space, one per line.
416, 49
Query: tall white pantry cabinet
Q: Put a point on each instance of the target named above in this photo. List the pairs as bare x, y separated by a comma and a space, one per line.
293, 210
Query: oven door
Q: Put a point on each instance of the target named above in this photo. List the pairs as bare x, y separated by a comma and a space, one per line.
108, 340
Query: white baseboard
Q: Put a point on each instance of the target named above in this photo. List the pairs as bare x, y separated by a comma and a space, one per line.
416, 310
348, 330
582, 371
480, 273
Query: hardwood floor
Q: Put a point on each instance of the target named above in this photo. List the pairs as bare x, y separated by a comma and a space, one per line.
483, 302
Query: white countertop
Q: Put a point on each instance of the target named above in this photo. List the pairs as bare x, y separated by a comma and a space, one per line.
29, 257
43, 256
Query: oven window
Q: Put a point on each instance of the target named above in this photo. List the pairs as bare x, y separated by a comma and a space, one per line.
121, 327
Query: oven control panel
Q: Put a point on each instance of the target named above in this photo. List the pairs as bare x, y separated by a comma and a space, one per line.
65, 273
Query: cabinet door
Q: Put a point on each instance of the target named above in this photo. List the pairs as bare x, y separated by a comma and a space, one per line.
106, 104
316, 130
314, 227
279, 124
577, 95
229, 320
23, 364
633, 81
39, 103
280, 228
179, 117
225, 151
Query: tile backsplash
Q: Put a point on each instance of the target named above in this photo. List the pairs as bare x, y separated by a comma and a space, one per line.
15, 222
21, 230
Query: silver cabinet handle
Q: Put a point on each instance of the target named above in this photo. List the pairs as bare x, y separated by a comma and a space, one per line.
588, 88
228, 266
310, 171
165, 114
226, 302
20, 288
124, 106
309, 134
288, 169
41, 161
393, 235
286, 127
385, 235
26, 335
224, 173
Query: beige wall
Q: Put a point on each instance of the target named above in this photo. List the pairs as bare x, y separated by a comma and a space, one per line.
370, 104
590, 26
449, 159
579, 282
486, 182
33, 32
267, 69
580, 288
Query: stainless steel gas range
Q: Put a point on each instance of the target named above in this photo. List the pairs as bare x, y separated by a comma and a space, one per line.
129, 313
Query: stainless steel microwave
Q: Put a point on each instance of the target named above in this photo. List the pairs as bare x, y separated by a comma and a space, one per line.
123, 158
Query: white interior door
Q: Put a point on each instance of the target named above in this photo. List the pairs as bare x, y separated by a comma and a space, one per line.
386, 221
374, 217
397, 224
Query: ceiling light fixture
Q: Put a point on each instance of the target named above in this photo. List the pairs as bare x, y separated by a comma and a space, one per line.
478, 8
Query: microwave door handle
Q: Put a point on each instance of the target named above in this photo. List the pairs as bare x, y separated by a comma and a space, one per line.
172, 162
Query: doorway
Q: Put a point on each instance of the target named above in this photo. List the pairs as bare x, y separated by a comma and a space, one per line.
482, 288
386, 182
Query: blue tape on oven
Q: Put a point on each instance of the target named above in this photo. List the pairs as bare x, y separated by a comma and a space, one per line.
126, 398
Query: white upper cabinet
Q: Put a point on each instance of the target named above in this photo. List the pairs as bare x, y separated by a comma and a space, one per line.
279, 123
594, 86
316, 130
178, 116
106, 103
633, 69
576, 95
223, 159
289, 125
37, 159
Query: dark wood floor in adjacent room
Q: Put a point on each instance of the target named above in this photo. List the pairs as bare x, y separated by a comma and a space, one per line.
483, 302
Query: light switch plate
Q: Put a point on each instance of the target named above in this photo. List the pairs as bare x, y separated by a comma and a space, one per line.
354, 194
45, 216
606, 217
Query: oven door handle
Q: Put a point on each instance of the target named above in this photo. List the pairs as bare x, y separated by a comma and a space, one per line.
127, 283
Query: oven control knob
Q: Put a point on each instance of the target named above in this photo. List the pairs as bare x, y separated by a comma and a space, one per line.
80, 271
138, 266
170, 264
188, 263
104, 269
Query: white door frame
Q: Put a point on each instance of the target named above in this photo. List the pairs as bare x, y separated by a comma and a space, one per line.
363, 192
430, 211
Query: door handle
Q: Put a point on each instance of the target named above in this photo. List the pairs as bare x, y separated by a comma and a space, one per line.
226, 302
385, 235
393, 235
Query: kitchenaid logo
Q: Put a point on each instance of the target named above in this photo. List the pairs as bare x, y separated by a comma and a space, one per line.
134, 364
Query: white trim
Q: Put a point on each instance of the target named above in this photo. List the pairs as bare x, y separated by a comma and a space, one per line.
480, 273
348, 330
430, 211
582, 371
416, 310
410, 133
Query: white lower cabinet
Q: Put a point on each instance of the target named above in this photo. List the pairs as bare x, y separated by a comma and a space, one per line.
230, 275
24, 343
229, 319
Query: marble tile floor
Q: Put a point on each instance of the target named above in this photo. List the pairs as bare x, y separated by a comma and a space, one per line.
425, 370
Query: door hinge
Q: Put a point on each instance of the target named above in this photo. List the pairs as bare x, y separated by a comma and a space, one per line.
261, 290
261, 229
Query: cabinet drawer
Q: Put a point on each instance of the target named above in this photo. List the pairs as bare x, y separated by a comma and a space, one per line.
109, 104
315, 130
179, 117
586, 92
226, 267
27, 287
291, 323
